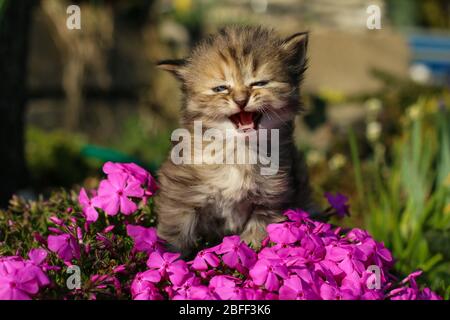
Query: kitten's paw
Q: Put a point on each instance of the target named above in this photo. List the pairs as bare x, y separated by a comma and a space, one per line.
254, 237
255, 230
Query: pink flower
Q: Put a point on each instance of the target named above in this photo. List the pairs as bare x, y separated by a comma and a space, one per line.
286, 232
268, 272
191, 289
134, 172
357, 235
225, 288
87, 206
348, 258
56, 220
113, 194
37, 256
145, 239
297, 215
204, 259
427, 294
254, 294
120, 269
310, 249
380, 255
404, 293
109, 228
168, 264
65, 246
149, 293
18, 286
294, 288
152, 187
329, 292
235, 253
413, 292
39, 238
143, 288
328, 269
130, 169
151, 276
55, 230
19, 279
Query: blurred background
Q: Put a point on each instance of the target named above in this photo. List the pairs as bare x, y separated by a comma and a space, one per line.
376, 126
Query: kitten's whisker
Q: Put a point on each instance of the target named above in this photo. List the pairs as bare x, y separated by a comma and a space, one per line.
265, 107
264, 111
276, 114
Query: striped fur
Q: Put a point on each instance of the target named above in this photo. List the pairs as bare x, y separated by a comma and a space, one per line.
198, 203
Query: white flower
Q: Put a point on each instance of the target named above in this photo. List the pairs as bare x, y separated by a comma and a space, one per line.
414, 112
337, 161
314, 157
373, 131
373, 106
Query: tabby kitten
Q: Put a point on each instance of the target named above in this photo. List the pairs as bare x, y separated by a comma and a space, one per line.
239, 79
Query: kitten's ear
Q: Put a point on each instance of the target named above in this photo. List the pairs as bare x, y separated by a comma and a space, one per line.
296, 46
175, 67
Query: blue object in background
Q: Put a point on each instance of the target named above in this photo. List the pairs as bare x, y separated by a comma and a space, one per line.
106, 154
433, 52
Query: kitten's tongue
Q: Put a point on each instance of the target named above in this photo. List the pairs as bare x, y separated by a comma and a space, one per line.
245, 117
243, 120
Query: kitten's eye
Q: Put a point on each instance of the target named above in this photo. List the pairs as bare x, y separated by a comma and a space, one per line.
259, 83
220, 89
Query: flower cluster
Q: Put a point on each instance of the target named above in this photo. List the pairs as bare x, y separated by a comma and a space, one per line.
125, 181
300, 259
21, 279
410, 290
107, 235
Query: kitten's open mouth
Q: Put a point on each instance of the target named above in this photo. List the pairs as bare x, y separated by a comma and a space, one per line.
246, 121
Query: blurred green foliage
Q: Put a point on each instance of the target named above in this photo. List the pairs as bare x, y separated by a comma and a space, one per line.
425, 13
2, 7
404, 196
54, 159
151, 147
398, 180
59, 159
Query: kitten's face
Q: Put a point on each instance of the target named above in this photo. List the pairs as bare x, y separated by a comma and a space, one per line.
242, 78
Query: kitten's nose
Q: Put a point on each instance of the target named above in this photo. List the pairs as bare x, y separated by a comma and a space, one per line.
241, 101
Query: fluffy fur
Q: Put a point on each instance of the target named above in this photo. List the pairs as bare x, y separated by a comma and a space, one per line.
261, 73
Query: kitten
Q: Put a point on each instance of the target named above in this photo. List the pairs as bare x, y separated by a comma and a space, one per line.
241, 79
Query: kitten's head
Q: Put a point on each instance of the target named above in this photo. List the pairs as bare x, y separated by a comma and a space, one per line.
242, 78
